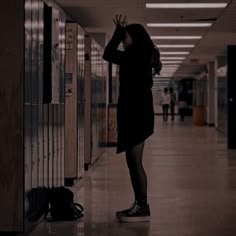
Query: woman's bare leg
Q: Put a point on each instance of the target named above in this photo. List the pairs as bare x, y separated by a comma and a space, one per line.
138, 176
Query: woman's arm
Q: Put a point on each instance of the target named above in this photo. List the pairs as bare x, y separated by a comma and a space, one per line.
111, 53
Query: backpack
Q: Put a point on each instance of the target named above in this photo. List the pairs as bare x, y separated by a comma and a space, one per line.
62, 206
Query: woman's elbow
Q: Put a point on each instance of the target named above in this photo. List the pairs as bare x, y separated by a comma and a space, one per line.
106, 57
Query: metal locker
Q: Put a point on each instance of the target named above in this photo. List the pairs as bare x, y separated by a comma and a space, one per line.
27, 102
55, 145
34, 90
71, 134
40, 98
80, 104
58, 146
62, 144
46, 145
62, 107
95, 89
50, 144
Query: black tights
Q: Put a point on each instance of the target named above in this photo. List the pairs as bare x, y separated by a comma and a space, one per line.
137, 173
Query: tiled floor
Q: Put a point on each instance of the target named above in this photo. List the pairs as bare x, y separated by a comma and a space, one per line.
192, 188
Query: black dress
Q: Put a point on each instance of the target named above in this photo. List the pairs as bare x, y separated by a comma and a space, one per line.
135, 114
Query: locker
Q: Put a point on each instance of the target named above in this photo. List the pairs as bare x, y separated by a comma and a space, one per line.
40, 98
95, 94
80, 104
71, 132
63, 144
55, 145
62, 100
59, 146
40, 147
50, 144
34, 91
27, 107
46, 145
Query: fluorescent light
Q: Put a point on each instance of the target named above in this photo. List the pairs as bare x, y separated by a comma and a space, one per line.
165, 68
170, 67
171, 62
175, 46
179, 24
168, 71
176, 37
185, 5
166, 74
174, 53
173, 58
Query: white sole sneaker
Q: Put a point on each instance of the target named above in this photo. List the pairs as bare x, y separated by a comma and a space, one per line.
133, 219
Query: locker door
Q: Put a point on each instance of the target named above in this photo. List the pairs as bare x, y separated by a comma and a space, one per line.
55, 145
40, 99
50, 144
61, 114
28, 100
80, 89
46, 145
71, 132
34, 90
63, 144
59, 145
27, 153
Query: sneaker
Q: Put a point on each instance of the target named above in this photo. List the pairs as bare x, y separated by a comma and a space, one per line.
136, 214
123, 212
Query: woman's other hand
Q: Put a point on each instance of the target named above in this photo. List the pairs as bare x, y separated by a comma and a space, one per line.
119, 20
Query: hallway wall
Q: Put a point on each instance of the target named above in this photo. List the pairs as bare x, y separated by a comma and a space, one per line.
32, 119
43, 107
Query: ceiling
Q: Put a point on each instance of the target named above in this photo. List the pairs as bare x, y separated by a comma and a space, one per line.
96, 16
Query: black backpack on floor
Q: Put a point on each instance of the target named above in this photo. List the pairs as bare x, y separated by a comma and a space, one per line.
62, 206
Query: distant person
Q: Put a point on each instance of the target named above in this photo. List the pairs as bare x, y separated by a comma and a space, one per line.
182, 104
139, 62
172, 103
165, 103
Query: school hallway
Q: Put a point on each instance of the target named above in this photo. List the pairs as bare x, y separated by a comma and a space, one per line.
191, 188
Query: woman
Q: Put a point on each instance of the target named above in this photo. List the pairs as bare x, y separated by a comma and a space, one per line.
172, 103
135, 116
165, 103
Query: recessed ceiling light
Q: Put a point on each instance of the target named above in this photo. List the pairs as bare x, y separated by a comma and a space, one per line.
171, 62
173, 58
176, 37
179, 24
170, 66
174, 53
175, 46
186, 5
173, 69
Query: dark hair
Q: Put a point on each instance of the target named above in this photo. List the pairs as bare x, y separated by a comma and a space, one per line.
142, 39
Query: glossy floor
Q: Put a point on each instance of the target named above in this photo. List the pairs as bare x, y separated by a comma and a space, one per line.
191, 188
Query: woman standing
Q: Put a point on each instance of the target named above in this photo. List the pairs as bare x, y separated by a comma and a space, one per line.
139, 61
165, 103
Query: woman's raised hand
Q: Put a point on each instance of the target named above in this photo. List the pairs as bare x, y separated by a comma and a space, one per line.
119, 21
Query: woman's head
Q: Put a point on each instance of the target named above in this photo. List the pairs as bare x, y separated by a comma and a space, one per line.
137, 35
128, 41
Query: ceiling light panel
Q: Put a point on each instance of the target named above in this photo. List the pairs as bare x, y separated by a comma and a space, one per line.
171, 62
175, 46
174, 53
176, 37
185, 5
173, 58
179, 24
